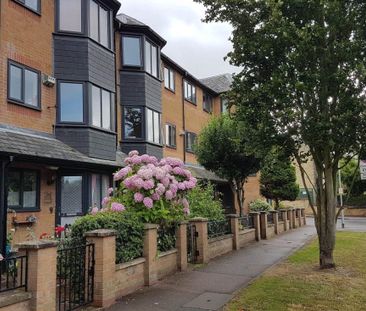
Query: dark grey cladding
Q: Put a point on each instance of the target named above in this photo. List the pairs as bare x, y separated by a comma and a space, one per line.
143, 148
141, 89
81, 59
91, 142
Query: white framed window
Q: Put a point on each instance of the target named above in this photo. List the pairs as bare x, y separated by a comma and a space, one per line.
151, 59
69, 15
131, 51
190, 141
153, 126
169, 79
189, 92
170, 135
71, 102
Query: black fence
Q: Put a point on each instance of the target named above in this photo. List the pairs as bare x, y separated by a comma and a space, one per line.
167, 237
218, 228
246, 222
13, 273
280, 216
270, 219
75, 276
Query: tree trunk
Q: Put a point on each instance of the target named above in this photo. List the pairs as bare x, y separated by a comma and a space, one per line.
326, 218
277, 204
239, 190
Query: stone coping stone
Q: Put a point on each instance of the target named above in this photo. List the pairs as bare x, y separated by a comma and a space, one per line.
199, 219
167, 253
13, 297
132, 263
150, 226
245, 231
36, 244
100, 233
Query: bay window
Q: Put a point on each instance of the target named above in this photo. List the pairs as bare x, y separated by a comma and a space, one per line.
71, 102
133, 122
69, 17
151, 59
131, 51
99, 22
101, 108
153, 126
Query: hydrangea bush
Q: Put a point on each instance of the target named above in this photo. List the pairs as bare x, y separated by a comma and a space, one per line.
155, 190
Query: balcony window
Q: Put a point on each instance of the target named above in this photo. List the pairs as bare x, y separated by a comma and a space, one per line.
190, 141
24, 85
101, 107
133, 123
99, 24
169, 79
23, 189
151, 59
71, 98
207, 103
170, 135
33, 5
69, 16
189, 92
153, 126
131, 51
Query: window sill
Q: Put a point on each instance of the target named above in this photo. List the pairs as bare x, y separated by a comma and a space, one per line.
190, 151
15, 102
30, 9
207, 111
170, 90
171, 147
190, 102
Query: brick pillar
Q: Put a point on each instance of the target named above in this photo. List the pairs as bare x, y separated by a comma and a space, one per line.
275, 221
181, 246
284, 216
264, 224
294, 223
202, 239
42, 256
289, 217
234, 222
151, 253
303, 216
104, 241
257, 225
298, 211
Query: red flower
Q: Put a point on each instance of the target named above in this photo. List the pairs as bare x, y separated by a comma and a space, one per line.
59, 230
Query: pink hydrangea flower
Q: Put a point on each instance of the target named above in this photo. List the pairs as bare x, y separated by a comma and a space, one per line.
148, 184
94, 211
155, 196
136, 160
148, 202
138, 197
110, 191
122, 173
117, 207
181, 186
185, 203
160, 189
145, 158
133, 153
169, 195
106, 201
186, 211
165, 181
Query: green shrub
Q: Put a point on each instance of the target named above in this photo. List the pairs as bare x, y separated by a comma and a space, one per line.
203, 203
130, 232
259, 206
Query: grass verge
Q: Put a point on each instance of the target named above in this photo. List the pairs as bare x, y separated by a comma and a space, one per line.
298, 284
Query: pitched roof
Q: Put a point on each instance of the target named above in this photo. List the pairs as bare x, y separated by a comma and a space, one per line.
128, 20
27, 144
220, 83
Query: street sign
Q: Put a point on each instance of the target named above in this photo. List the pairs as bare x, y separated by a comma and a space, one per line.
363, 169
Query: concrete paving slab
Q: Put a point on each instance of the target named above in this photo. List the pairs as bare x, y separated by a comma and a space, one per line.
209, 301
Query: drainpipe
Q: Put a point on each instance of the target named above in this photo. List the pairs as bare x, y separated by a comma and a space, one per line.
3, 205
184, 119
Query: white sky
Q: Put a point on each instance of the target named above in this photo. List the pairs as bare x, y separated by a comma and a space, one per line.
196, 46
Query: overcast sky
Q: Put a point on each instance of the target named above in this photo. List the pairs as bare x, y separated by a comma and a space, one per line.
196, 46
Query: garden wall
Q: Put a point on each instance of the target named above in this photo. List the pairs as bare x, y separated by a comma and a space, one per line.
167, 263
130, 276
246, 236
220, 246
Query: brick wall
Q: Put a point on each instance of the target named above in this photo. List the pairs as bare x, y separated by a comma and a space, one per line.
27, 38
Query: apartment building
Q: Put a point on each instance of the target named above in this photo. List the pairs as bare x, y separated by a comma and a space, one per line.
80, 87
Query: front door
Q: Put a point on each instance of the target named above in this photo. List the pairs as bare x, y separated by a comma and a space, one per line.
70, 199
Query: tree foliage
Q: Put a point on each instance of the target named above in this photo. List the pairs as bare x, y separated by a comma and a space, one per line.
278, 178
302, 83
222, 149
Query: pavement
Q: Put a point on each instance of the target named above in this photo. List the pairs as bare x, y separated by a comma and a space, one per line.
211, 286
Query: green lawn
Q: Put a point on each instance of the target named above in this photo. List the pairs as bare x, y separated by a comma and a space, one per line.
298, 284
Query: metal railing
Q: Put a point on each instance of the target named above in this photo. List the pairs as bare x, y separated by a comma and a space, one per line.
192, 251
75, 276
246, 222
167, 237
13, 273
270, 219
218, 228
280, 216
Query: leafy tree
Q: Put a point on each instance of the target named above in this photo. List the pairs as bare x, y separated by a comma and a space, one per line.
222, 150
302, 85
278, 178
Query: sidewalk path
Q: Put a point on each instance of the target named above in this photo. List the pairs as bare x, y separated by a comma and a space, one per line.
210, 287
